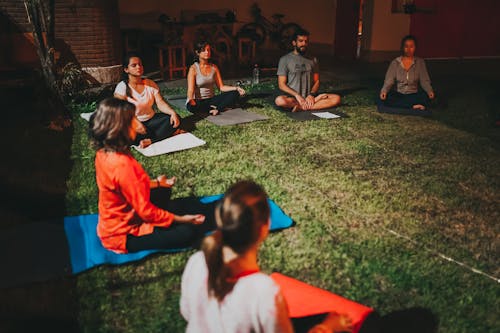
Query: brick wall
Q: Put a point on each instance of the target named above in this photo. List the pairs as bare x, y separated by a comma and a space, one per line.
87, 30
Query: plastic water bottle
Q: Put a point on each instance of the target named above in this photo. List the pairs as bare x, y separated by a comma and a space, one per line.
256, 74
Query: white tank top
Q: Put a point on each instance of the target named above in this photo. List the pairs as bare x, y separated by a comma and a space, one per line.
205, 84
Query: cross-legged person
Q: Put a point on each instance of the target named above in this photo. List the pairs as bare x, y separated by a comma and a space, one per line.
298, 78
409, 73
144, 93
130, 217
203, 77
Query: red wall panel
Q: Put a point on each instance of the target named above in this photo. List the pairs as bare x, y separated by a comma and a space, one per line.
456, 28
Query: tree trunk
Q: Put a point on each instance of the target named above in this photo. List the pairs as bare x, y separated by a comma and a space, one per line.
41, 17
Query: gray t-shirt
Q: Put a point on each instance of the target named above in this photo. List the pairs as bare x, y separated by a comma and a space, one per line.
299, 72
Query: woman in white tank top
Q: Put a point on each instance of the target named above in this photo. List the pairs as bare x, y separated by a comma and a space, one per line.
203, 77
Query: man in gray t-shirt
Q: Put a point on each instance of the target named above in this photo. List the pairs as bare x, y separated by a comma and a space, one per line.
298, 77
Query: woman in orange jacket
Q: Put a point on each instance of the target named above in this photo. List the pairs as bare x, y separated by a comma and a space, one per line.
128, 219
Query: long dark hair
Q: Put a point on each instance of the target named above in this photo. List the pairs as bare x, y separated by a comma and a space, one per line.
109, 125
240, 216
126, 61
199, 46
405, 39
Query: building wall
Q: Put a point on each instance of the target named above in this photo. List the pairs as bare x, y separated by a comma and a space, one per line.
382, 30
317, 16
86, 32
455, 29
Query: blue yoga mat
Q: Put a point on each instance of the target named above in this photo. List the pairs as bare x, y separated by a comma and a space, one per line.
86, 250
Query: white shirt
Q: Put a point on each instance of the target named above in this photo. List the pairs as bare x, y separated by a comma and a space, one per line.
249, 307
143, 102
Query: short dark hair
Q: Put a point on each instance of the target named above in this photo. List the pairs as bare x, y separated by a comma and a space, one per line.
300, 32
405, 39
109, 125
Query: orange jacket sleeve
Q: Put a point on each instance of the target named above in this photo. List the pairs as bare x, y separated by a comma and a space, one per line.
134, 186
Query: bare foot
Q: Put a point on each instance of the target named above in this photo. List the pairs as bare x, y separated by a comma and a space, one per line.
145, 143
213, 110
178, 131
418, 107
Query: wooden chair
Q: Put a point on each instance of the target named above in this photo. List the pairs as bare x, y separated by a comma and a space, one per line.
246, 50
172, 59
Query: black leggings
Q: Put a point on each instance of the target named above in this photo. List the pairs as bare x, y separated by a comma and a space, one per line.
221, 102
157, 128
178, 235
398, 100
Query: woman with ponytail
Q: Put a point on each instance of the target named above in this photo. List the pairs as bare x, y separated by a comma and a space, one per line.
144, 93
222, 288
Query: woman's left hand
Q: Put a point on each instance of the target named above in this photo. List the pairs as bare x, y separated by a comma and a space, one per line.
241, 91
431, 95
174, 120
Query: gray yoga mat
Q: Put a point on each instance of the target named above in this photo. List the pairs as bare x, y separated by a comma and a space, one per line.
179, 102
230, 117
235, 116
308, 115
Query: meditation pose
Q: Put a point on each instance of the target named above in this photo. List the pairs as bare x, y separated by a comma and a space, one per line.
144, 93
129, 221
407, 71
298, 78
202, 78
222, 288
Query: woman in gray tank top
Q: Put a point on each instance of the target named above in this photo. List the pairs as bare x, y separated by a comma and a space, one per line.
203, 77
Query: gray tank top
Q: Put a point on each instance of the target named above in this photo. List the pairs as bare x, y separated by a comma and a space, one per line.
205, 84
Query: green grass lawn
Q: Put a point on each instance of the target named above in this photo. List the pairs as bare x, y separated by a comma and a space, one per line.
350, 184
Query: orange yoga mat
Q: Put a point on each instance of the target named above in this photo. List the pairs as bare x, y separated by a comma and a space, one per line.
305, 300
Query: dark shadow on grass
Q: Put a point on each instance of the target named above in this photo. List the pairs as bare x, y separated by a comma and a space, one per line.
144, 281
347, 91
413, 320
33, 176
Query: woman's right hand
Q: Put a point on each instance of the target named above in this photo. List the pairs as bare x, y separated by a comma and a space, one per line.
333, 323
193, 219
192, 102
383, 96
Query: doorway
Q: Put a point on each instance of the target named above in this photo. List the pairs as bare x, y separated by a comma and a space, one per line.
348, 29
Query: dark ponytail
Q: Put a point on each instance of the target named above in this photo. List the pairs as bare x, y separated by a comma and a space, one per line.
126, 61
240, 216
